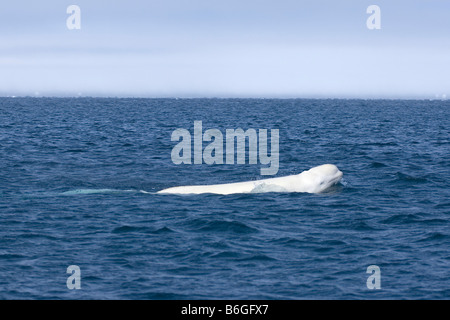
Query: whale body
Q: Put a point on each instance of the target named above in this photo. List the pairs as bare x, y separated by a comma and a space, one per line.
314, 180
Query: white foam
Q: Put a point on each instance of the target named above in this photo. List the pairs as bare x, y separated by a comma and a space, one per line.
94, 191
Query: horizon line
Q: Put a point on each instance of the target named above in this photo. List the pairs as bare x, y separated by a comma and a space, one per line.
419, 97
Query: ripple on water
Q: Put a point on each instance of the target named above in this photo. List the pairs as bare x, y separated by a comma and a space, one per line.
202, 225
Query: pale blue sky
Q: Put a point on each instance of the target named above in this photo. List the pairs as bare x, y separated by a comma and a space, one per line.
246, 48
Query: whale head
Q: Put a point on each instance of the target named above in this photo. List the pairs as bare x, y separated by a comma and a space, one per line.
320, 178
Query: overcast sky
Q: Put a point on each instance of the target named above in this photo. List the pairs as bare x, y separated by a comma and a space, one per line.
228, 48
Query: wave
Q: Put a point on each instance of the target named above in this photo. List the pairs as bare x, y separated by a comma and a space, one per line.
95, 191
102, 191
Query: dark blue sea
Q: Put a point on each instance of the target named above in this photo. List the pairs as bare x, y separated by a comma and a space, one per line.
73, 172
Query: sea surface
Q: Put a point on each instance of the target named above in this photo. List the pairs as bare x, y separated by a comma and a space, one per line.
78, 178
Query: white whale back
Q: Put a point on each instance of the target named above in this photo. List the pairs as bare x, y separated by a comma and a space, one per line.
314, 180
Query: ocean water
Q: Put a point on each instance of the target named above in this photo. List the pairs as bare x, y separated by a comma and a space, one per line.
73, 172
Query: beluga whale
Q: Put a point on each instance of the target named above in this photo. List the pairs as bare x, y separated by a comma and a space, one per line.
314, 180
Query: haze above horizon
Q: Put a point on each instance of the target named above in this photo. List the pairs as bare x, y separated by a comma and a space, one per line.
251, 49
